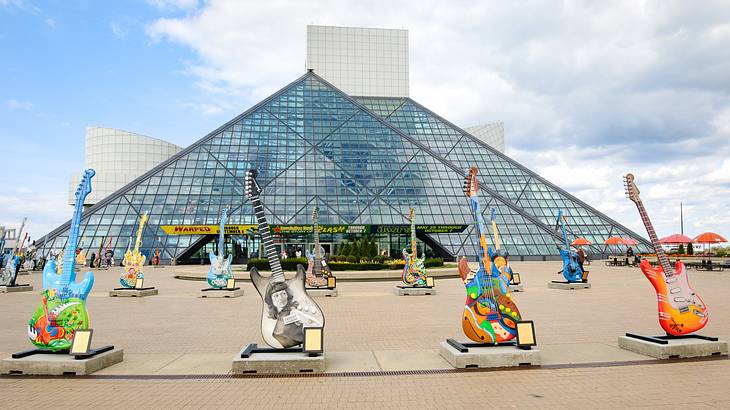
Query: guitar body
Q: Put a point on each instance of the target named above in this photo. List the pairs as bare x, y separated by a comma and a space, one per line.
284, 315
483, 320
133, 264
414, 271
674, 320
316, 279
571, 269
220, 271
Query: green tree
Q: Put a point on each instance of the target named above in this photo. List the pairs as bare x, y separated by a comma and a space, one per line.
355, 249
344, 249
690, 249
680, 250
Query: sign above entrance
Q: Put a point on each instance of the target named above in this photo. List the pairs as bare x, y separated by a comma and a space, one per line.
307, 229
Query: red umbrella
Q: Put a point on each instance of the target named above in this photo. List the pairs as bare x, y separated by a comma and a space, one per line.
709, 238
630, 241
675, 239
615, 240
580, 241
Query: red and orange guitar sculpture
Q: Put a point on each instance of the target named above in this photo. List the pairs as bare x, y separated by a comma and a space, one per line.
681, 311
490, 315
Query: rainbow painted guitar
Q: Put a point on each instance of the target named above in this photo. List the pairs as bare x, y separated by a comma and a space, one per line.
317, 269
490, 315
681, 310
220, 265
133, 260
414, 271
63, 302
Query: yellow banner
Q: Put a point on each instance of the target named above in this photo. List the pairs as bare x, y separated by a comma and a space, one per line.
208, 229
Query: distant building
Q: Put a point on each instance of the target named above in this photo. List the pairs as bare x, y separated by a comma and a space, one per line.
368, 62
118, 157
491, 134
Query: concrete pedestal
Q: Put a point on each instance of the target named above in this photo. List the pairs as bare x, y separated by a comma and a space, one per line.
61, 364
675, 348
221, 293
322, 292
16, 288
516, 288
491, 356
568, 285
277, 363
123, 292
413, 291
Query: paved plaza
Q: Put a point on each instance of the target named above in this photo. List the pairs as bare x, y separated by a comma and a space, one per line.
178, 348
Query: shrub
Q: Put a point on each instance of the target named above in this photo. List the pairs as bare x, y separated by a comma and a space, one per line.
339, 266
351, 259
690, 249
378, 259
290, 264
344, 249
433, 262
680, 250
258, 263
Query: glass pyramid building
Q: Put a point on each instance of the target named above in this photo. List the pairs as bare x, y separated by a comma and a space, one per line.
363, 161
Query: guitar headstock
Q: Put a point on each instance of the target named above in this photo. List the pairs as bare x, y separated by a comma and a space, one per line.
411, 214
252, 187
632, 191
471, 185
84, 187
143, 219
493, 215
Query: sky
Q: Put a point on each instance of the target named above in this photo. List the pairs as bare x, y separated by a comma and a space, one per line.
587, 90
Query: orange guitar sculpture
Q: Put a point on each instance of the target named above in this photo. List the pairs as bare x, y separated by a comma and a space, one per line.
681, 311
490, 315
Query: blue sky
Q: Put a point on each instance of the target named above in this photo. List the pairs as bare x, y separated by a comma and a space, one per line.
587, 91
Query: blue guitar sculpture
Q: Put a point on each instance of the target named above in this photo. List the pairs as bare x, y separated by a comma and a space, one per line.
572, 271
12, 261
63, 302
220, 265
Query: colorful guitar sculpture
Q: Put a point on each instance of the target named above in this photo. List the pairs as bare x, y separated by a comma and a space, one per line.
317, 269
572, 271
490, 315
133, 260
63, 302
220, 265
414, 272
500, 259
287, 308
681, 311
11, 265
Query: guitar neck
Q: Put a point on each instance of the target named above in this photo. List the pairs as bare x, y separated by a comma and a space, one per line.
221, 238
315, 230
69, 256
277, 274
482, 229
661, 256
414, 248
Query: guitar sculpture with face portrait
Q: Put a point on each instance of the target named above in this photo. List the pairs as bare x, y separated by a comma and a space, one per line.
414, 271
681, 311
572, 271
317, 269
220, 265
63, 302
490, 315
287, 308
133, 260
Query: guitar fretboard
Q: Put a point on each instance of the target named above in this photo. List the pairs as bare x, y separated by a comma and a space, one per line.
69, 256
661, 256
317, 256
277, 274
414, 249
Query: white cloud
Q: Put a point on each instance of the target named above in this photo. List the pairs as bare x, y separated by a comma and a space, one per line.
50, 22
587, 90
19, 105
174, 4
117, 29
